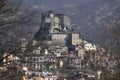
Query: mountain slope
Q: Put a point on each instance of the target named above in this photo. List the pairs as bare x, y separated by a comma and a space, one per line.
93, 19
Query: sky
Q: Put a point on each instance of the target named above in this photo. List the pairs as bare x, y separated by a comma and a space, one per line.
52, 4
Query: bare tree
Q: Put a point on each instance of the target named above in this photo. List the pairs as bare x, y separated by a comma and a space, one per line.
12, 19
116, 34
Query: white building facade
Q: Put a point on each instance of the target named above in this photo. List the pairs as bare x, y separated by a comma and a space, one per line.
90, 46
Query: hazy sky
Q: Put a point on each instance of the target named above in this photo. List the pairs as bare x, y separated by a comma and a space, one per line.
52, 4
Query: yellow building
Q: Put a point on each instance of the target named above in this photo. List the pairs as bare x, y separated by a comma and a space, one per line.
7, 58
75, 39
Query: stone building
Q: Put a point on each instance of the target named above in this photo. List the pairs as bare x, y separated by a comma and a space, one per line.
52, 23
75, 38
59, 39
80, 51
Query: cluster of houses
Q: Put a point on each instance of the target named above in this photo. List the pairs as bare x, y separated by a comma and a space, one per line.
66, 53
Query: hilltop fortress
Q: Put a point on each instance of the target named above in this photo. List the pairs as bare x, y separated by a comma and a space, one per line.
52, 23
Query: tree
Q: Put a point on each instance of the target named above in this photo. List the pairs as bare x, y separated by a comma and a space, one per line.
12, 20
116, 34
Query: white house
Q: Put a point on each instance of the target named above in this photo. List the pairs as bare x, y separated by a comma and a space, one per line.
90, 46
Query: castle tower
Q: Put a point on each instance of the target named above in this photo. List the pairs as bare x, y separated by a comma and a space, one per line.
52, 23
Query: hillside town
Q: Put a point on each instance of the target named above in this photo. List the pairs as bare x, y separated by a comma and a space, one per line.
57, 52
